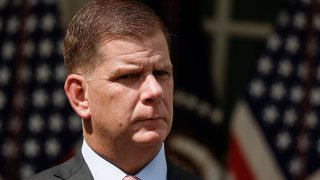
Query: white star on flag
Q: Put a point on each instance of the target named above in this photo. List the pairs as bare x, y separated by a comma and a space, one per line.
276, 135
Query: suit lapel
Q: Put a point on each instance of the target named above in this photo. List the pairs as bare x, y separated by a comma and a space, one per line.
74, 169
175, 173
77, 169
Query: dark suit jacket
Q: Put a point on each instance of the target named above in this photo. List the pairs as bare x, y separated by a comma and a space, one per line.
77, 169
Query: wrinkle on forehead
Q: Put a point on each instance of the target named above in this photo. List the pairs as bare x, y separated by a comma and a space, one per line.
145, 47
122, 54
115, 49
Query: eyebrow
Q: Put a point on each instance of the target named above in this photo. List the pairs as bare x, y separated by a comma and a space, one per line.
138, 67
125, 68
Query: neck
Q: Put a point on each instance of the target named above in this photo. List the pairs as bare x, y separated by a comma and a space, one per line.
129, 158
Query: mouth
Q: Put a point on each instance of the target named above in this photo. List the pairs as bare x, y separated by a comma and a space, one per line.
150, 124
151, 119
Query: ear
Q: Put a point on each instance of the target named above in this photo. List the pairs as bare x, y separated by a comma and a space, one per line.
76, 90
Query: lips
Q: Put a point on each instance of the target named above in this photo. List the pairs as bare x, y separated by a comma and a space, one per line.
149, 116
150, 119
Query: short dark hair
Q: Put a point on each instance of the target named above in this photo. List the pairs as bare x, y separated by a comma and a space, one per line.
101, 20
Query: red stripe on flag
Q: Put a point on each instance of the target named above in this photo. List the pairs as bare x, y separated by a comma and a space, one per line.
237, 164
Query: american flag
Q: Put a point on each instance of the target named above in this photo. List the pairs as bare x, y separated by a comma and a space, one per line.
276, 126
37, 125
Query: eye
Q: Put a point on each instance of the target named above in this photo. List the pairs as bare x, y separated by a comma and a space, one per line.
127, 77
162, 74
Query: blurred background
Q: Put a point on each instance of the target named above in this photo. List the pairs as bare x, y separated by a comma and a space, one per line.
247, 82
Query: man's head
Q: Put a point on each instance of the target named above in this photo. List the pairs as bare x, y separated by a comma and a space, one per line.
120, 75
100, 21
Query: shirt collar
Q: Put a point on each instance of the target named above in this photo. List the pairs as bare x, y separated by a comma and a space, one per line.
101, 168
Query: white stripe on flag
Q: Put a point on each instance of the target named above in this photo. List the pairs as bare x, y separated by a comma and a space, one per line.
253, 145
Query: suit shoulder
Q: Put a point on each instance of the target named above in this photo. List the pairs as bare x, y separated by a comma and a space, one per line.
51, 173
176, 173
47, 174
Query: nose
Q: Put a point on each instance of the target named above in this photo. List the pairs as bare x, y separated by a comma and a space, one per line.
151, 90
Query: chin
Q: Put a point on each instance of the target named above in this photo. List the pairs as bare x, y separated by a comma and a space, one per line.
149, 138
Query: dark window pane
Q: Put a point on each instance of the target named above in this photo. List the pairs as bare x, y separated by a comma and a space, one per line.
253, 10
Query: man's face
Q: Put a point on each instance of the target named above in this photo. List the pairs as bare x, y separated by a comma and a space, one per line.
130, 94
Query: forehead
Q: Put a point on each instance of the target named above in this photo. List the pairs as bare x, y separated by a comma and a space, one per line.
128, 47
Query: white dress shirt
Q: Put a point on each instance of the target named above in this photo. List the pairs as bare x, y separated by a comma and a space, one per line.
102, 169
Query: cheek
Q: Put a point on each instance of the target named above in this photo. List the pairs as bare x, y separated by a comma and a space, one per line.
168, 100
109, 112
169, 89
104, 95
112, 104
